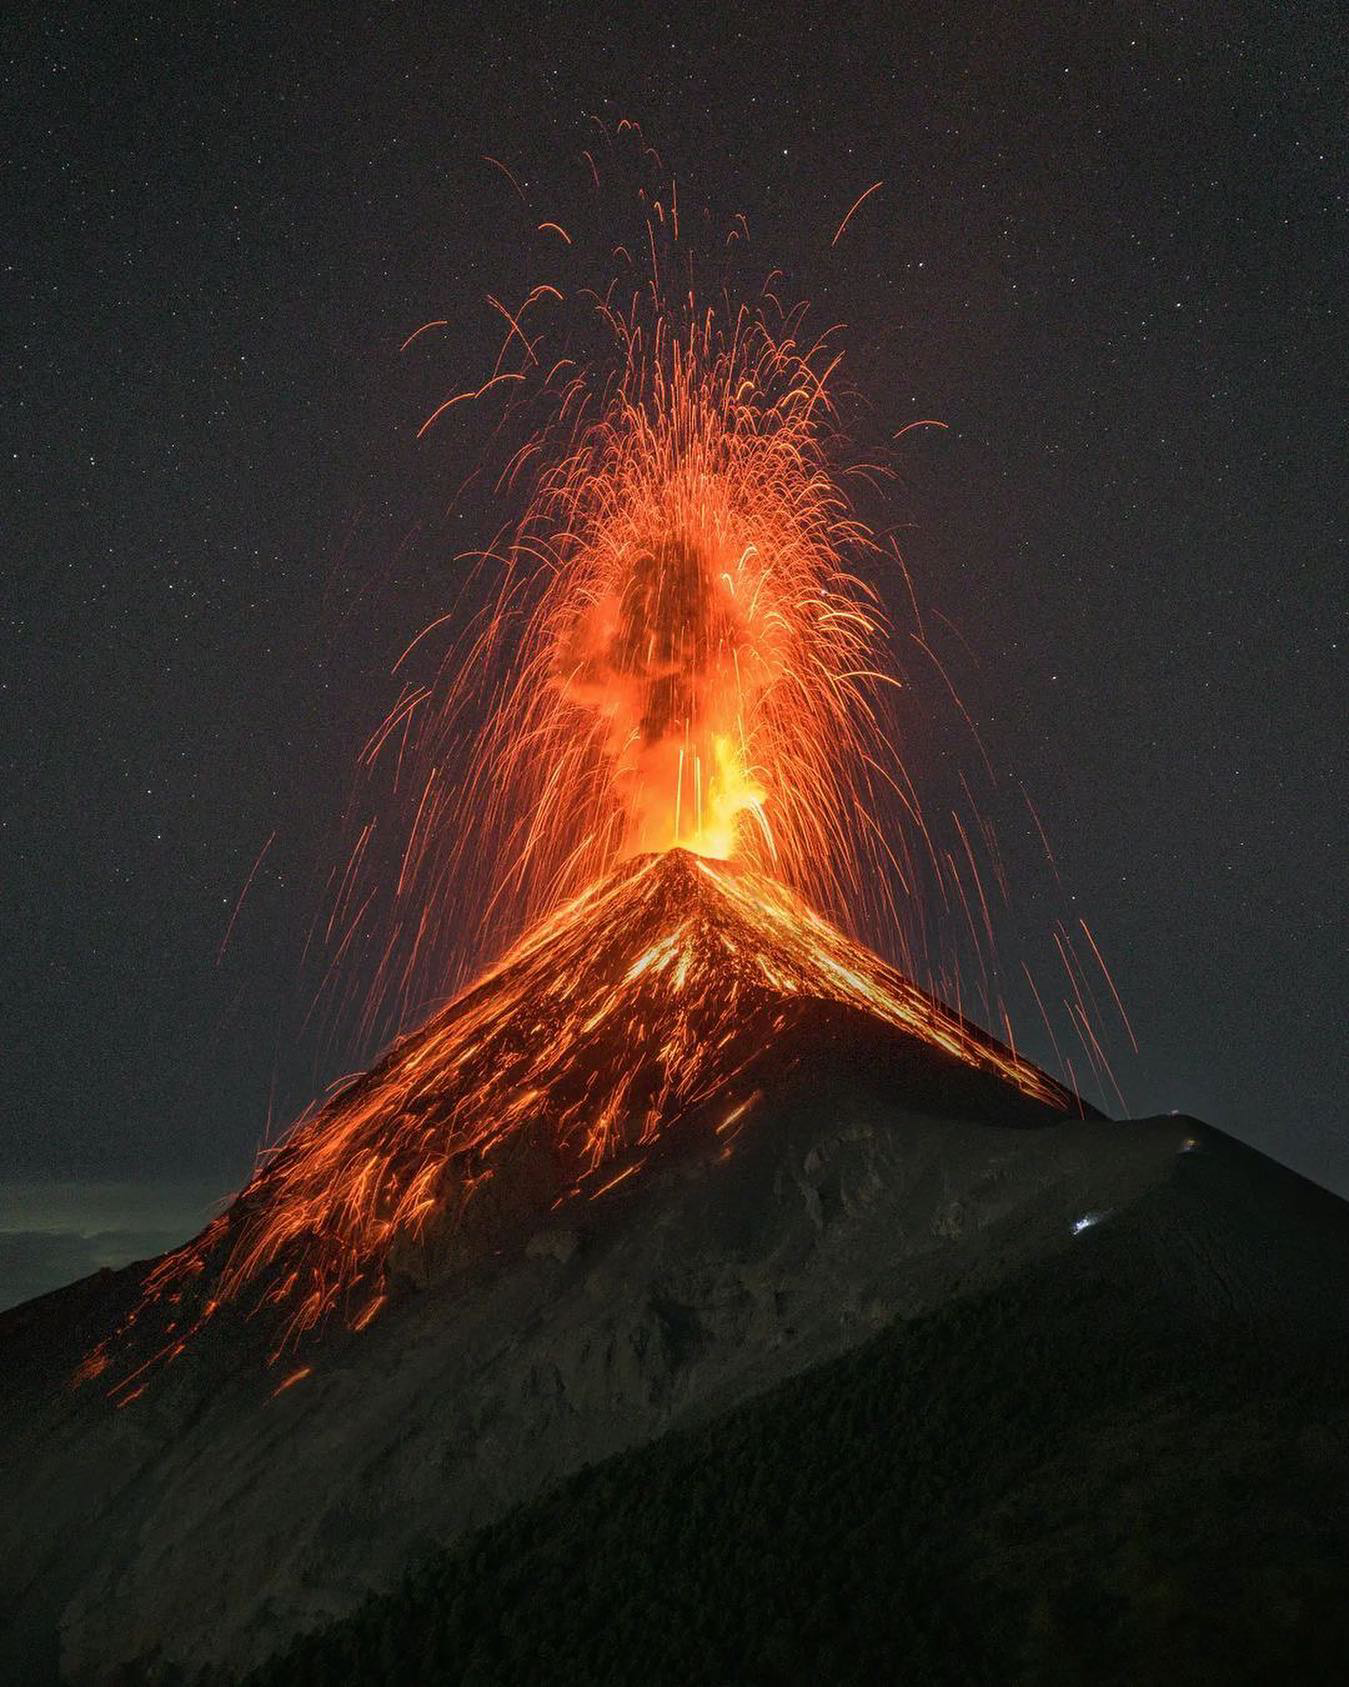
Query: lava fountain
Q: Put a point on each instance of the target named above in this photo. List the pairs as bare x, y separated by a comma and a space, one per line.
697, 665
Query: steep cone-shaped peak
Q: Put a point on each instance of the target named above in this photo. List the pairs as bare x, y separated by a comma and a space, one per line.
654, 998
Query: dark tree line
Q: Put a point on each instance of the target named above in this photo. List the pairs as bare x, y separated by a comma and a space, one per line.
1057, 1482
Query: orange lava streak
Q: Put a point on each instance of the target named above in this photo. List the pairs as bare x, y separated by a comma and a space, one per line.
853, 209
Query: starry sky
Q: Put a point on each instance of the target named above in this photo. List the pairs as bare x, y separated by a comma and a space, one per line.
1104, 253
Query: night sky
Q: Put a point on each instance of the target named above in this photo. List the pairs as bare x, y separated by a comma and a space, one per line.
1105, 254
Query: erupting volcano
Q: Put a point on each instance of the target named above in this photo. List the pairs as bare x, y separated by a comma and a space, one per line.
684, 733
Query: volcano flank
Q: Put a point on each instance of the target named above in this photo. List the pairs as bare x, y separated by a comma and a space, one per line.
667, 1002
684, 1143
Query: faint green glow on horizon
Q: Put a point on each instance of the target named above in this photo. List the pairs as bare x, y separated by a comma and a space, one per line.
55, 1232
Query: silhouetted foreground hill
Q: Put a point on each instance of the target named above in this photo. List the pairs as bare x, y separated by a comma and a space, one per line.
1128, 1463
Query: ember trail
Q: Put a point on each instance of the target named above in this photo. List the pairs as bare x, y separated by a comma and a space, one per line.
690, 658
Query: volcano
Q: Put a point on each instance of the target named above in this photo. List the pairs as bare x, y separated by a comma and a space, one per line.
686, 1140
855, 1160
848, 1303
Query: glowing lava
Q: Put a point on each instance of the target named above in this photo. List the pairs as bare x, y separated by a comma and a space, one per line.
675, 652
702, 651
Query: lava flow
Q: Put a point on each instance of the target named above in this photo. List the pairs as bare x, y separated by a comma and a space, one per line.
641, 1004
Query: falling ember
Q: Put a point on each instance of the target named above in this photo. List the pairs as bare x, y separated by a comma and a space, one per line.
686, 735
295, 1376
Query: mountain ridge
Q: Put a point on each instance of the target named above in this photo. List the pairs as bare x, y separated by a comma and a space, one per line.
1145, 1490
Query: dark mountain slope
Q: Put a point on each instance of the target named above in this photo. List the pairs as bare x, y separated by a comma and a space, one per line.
1127, 1463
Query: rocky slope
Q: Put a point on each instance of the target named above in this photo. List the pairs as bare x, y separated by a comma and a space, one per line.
1125, 1463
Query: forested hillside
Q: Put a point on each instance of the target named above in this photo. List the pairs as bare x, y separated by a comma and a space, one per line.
1095, 1474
